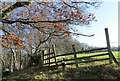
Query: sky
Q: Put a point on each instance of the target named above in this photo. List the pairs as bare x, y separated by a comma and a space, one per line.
107, 16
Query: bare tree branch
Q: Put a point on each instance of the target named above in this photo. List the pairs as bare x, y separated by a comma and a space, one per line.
69, 5
14, 6
30, 21
3, 29
95, 4
37, 48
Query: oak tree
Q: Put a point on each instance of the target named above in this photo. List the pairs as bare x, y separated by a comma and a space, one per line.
51, 18
45, 19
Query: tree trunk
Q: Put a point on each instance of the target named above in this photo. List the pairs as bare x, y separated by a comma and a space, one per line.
11, 63
20, 60
15, 60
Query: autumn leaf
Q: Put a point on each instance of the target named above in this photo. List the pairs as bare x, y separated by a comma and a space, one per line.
13, 40
30, 40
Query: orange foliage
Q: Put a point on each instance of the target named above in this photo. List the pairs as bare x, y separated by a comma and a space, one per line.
55, 24
72, 14
30, 40
21, 46
12, 40
5, 46
51, 13
60, 26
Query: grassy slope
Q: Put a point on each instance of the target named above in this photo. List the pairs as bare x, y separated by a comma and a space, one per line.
95, 70
116, 54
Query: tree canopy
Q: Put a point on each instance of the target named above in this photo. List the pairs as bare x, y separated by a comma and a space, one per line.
48, 18
36, 25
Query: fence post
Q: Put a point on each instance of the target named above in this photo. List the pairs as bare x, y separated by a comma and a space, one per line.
49, 56
108, 45
75, 56
54, 52
43, 57
109, 48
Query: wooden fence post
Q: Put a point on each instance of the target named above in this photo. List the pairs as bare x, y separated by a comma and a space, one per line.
108, 44
75, 56
43, 57
54, 52
109, 48
49, 56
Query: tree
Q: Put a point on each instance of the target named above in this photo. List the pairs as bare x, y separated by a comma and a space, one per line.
52, 18
47, 19
65, 45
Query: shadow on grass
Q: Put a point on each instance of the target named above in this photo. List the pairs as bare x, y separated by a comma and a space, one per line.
96, 72
101, 72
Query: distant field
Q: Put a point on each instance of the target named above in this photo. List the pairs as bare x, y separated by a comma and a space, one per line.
115, 53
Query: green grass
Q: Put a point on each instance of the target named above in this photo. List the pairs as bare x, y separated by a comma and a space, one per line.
115, 53
93, 70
